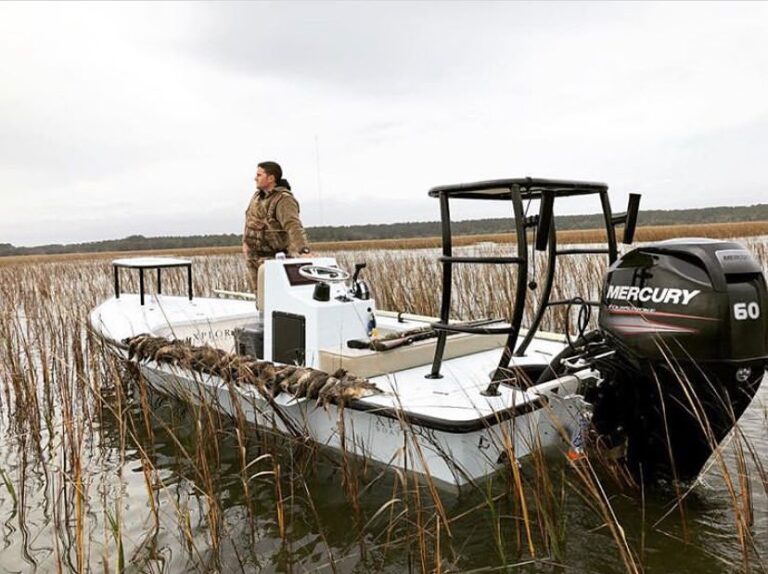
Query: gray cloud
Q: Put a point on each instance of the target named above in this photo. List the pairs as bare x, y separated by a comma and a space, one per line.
384, 47
150, 117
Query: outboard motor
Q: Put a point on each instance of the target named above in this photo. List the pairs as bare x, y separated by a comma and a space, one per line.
682, 348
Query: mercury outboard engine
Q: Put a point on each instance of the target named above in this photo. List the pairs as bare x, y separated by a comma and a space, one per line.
682, 347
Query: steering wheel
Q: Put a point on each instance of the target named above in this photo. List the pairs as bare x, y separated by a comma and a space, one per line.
323, 274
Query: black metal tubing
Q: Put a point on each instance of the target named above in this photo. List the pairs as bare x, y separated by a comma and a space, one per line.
545, 220
142, 285
487, 260
522, 285
531, 188
521, 260
546, 292
569, 301
445, 305
469, 328
518, 190
628, 219
610, 228
584, 251
612, 252
633, 207
553, 253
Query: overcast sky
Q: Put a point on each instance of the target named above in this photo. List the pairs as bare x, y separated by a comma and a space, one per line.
132, 118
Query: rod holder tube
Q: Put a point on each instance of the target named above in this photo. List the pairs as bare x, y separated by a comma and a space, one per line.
630, 224
545, 220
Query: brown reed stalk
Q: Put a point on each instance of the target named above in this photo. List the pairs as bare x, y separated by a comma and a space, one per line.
280, 503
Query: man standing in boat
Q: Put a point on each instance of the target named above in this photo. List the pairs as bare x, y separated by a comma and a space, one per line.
272, 223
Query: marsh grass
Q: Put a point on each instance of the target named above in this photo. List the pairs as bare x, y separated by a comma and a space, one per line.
101, 474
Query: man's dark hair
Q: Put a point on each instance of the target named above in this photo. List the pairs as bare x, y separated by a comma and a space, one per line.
272, 168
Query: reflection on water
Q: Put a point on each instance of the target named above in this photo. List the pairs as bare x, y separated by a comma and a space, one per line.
179, 482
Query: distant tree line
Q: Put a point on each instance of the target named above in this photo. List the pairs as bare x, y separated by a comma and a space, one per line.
394, 230
130, 243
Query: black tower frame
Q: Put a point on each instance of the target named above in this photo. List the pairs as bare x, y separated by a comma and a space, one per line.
519, 191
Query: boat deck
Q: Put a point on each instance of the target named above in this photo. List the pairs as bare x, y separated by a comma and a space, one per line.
201, 320
456, 399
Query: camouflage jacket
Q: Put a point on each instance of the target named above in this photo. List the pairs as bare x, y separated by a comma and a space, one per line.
272, 224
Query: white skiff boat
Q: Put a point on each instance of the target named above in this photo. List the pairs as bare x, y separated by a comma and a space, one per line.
451, 400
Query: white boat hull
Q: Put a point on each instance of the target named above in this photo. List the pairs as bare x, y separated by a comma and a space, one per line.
452, 458
445, 428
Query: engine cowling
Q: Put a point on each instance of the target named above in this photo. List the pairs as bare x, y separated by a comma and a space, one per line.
687, 321
700, 299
